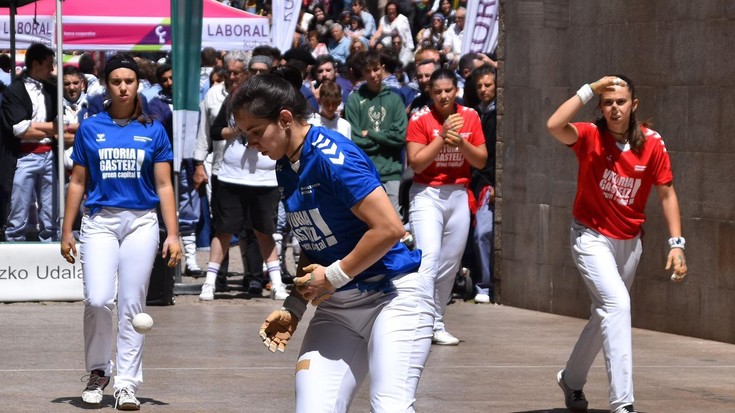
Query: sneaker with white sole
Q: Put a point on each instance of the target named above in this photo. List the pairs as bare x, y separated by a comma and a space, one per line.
628, 408
96, 383
125, 399
443, 338
482, 298
574, 399
279, 293
207, 293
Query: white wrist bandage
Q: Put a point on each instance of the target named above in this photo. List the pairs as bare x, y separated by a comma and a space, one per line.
294, 306
336, 276
585, 93
677, 242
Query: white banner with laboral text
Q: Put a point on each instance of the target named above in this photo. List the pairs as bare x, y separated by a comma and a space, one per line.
481, 27
35, 271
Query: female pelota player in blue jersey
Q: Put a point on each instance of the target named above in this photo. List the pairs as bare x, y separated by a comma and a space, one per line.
122, 160
374, 310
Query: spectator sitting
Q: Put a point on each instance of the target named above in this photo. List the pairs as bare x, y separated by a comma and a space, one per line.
453, 38
316, 48
355, 29
434, 34
359, 9
357, 45
339, 46
320, 23
404, 53
392, 22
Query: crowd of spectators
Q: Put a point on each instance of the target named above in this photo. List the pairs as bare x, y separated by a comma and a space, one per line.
365, 75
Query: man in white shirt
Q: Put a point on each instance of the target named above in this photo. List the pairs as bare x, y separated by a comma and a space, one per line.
29, 113
453, 38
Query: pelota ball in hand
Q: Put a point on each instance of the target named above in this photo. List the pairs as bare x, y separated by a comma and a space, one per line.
142, 323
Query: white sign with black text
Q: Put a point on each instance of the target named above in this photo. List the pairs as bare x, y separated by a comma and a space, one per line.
34, 271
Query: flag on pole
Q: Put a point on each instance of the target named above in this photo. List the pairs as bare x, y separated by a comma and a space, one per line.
481, 27
186, 22
285, 17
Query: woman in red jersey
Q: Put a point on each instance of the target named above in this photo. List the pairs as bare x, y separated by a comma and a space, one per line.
620, 161
443, 140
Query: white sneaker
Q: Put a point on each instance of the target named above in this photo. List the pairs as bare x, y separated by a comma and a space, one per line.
192, 269
443, 338
628, 408
482, 298
207, 292
125, 399
279, 293
92, 394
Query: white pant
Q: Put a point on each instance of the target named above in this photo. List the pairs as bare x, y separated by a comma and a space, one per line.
353, 333
440, 219
117, 251
607, 266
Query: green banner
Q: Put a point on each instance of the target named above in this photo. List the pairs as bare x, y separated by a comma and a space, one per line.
186, 44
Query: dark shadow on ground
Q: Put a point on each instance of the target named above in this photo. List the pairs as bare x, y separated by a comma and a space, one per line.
560, 410
108, 400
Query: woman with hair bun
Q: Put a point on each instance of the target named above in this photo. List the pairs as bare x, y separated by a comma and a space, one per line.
373, 311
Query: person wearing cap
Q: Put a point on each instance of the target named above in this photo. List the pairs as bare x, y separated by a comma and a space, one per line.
259, 64
122, 162
29, 126
434, 34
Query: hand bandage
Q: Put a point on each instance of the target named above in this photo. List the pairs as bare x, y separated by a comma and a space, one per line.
336, 276
585, 93
294, 306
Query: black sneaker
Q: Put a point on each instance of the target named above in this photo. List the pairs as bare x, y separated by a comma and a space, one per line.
96, 384
628, 408
255, 287
574, 399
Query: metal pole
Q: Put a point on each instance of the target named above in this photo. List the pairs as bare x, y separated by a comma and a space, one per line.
13, 10
60, 108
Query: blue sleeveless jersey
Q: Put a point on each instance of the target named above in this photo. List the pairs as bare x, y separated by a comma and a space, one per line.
334, 175
120, 161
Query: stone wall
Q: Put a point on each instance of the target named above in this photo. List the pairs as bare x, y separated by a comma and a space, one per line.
680, 56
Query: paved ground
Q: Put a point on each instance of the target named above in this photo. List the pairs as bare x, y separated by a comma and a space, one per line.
207, 357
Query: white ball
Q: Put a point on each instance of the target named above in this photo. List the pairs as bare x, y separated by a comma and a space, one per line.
142, 323
676, 277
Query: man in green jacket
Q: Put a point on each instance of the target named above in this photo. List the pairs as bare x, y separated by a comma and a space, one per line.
378, 119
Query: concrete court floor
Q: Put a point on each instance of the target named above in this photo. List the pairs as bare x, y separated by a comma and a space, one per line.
207, 357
